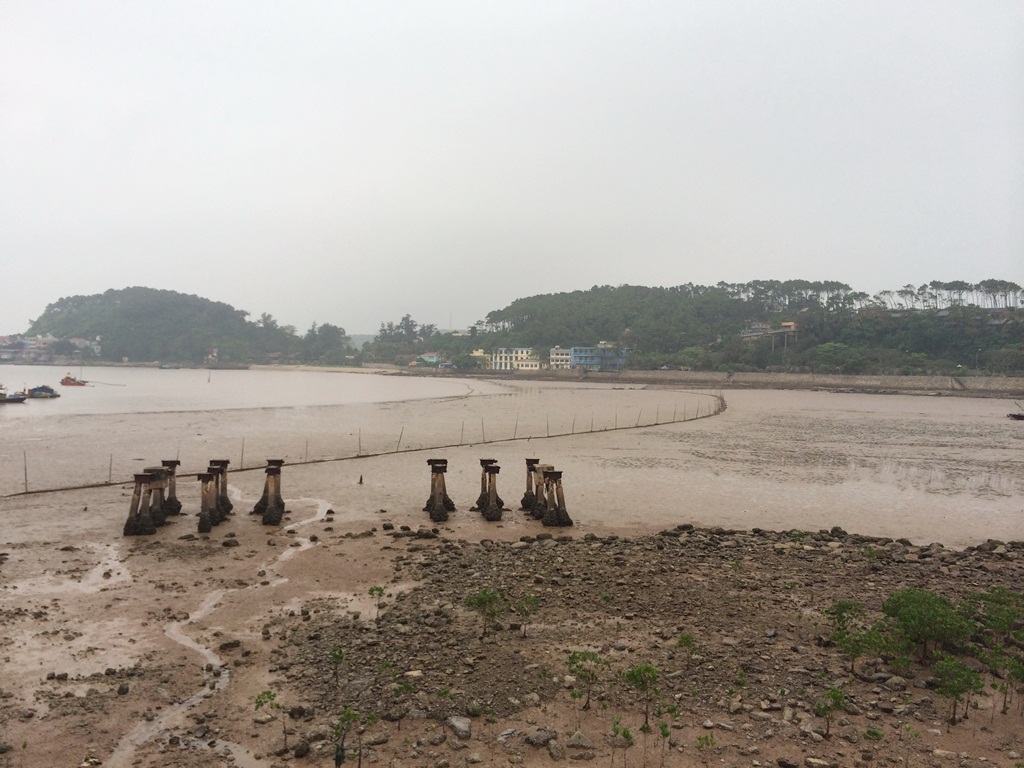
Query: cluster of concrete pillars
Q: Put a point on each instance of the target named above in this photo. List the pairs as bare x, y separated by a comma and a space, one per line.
544, 498
214, 505
153, 500
489, 503
439, 504
271, 505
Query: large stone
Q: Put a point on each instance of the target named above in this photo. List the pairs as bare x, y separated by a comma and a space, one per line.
460, 726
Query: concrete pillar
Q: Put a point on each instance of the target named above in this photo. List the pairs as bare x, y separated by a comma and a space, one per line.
217, 514
540, 505
171, 504
448, 504
436, 506
205, 520
134, 525
481, 501
145, 519
492, 510
225, 503
563, 516
529, 498
550, 518
261, 505
157, 487
275, 506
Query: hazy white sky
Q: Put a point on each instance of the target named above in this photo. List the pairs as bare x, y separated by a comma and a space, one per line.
353, 162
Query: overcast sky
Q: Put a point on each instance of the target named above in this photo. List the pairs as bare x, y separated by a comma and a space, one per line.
353, 162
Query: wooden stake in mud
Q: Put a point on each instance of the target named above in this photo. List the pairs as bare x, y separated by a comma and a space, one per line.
241, 458
24, 455
397, 447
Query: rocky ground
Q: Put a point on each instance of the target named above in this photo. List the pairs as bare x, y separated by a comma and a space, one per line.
446, 694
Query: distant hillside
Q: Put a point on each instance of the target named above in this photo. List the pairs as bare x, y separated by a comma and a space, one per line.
146, 324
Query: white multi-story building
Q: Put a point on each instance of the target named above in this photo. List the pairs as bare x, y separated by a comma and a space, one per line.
515, 359
560, 358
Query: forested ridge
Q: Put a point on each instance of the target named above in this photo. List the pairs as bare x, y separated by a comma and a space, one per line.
937, 327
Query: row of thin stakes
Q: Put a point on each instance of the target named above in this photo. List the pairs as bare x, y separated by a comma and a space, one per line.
155, 497
544, 499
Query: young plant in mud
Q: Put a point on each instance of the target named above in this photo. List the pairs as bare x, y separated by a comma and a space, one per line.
956, 681
350, 720
337, 657
827, 706
586, 667
705, 744
664, 732
488, 604
275, 709
377, 593
525, 608
643, 677
846, 617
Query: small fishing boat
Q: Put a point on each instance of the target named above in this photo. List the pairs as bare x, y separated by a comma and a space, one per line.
71, 381
41, 392
1019, 415
17, 397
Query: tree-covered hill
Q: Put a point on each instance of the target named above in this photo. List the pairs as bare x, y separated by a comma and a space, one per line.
146, 324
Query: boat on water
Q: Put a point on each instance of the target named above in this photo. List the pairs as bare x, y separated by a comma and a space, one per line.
17, 397
41, 392
71, 381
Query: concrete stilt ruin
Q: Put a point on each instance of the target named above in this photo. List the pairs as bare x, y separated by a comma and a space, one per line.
171, 504
157, 489
447, 504
540, 504
275, 505
555, 515
139, 522
223, 503
205, 494
482, 500
261, 505
492, 509
529, 498
217, 515
436, 505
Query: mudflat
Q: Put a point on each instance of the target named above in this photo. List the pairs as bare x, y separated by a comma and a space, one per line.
738, 529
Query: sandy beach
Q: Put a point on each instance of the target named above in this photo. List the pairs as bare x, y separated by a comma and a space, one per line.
113, 648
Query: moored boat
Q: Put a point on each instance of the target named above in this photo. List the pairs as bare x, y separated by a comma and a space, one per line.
71, 381
17, 397
41, 392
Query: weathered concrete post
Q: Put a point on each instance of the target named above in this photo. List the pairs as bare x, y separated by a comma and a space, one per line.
436, 506
171, 504
217, 515
551, 510
157, 487
564, 521
481, 501
449, 505
529, 498
224, 503
540, 505
145, 519
261, 505
492, 510
133, 525
205, 520
275, 506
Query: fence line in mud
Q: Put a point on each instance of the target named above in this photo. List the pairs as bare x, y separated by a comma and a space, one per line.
717, 406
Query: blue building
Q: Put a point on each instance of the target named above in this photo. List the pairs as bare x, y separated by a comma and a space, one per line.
603, 357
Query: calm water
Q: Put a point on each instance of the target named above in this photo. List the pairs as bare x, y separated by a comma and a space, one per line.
149, 390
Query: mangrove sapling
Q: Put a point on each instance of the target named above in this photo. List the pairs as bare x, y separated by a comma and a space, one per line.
827, 706
664, 732
642, 677
336, 656
586, 667
488, 604
377, 593
954, 680
525, 608
706, 743
275, 709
